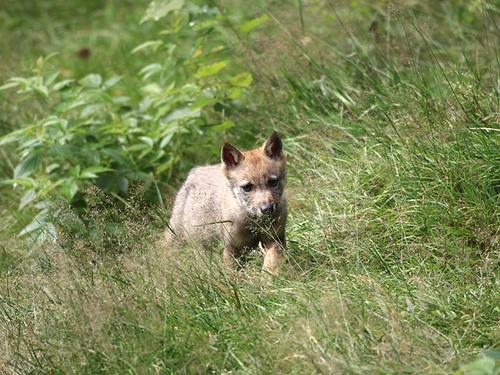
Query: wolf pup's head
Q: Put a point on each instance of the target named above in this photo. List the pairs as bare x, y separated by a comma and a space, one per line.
256, 177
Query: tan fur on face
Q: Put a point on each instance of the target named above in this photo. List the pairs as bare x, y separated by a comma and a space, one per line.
256, 168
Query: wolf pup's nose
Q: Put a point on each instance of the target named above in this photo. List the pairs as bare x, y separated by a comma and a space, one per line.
268, 209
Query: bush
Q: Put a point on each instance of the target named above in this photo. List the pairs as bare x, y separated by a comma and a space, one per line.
90, 132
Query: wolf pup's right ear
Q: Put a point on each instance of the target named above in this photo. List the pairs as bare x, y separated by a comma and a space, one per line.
230, 155
273, 147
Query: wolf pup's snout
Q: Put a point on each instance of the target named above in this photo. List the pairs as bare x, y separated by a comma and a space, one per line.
268, 209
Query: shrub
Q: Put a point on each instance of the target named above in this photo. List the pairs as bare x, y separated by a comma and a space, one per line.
89, 132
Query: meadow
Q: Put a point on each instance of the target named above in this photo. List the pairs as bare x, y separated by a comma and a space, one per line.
390, 116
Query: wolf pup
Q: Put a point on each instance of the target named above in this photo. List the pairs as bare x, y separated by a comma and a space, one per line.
239, 201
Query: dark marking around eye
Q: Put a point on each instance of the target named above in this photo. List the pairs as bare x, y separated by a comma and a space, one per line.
273, 182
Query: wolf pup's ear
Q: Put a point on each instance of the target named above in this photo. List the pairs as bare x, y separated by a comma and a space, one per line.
273, 147
230, 155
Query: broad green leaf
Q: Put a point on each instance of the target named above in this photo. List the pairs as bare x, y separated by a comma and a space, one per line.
111, 82
252, 24
122, 184
16, 135
235, 93
149, 70
228, 124
25, 182
119, 157
28, 166
48, 189
165, 166
51, 79
181, 113
27, 198
166, 140
92, 172
203, 102
42, 90
120, 100
28, 146
241, 80
90, 110
69, 188
52, 167
9, 85
149, 141
160, 8
91, 81
151, 89
52, 120
38, 223
62, 84
77, 103
208, 70
205, 24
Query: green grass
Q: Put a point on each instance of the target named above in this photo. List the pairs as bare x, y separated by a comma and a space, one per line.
390, 116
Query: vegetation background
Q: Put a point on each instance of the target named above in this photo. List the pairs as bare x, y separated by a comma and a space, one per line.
390, 115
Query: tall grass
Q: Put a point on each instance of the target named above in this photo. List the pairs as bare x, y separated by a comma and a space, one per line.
390, 115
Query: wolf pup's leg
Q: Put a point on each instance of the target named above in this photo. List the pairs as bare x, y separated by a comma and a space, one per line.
273, 256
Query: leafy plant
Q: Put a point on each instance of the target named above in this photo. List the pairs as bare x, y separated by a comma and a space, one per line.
92, 132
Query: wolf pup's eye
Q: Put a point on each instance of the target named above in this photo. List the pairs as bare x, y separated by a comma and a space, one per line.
247, 187
273, 182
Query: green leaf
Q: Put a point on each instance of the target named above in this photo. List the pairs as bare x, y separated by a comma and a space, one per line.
252, 24
111, 82
15, 136
92, 172
149, 141
165, 141
203, 102
52, 79
38, 223
228, 124
41, 90
241, 80
181, 113
208, 70
52, 167
119, 157
160, 8
165, 166
149, 70
235, 93
150, 44
9, 85
28, 166
151, 89
122, 184
27, 198
26, 182
90, 110
69, 188
120, 100
62, 84
91, 81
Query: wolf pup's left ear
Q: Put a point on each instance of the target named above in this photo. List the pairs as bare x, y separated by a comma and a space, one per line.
273, 147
